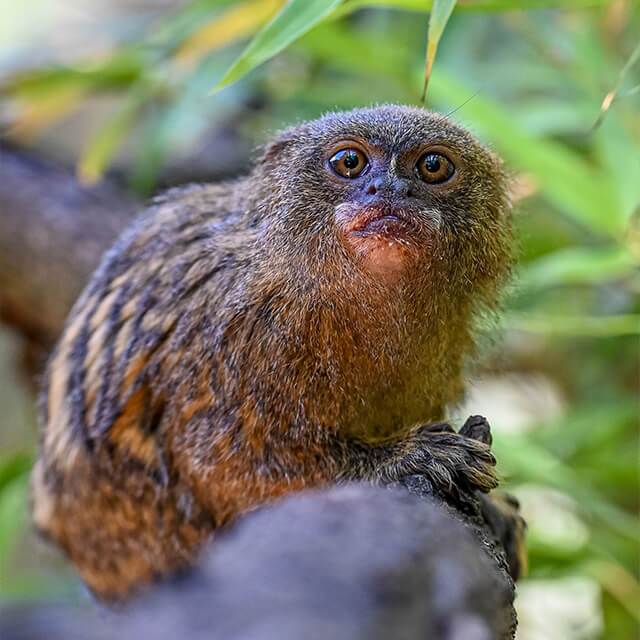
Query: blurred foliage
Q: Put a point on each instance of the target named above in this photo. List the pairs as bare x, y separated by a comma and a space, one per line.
552, 85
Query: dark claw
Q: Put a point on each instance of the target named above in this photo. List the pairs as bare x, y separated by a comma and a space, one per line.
503, 517
477, 428
511, 500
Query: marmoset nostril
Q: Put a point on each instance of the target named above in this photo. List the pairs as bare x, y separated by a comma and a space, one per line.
395, 186
402, 187
377, 184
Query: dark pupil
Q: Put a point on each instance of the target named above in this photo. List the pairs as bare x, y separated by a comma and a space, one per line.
351, 160
432, 163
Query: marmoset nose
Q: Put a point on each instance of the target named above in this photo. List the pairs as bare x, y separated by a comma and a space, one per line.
391, 186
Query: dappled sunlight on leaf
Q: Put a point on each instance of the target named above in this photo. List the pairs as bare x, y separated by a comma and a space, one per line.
296, 18
236, 23
441, 11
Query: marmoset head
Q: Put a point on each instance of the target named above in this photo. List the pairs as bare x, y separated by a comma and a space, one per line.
389, 192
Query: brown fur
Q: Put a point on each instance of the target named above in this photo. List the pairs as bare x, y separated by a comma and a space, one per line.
232, 348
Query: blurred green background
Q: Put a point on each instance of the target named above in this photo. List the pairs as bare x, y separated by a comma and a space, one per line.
124, 89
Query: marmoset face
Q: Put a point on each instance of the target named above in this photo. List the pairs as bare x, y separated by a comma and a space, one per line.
391, 195
389, 183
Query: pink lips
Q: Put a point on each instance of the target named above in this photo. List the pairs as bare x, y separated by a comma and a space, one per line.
380, 237
378, 221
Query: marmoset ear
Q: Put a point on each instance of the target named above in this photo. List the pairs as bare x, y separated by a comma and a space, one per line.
272, 149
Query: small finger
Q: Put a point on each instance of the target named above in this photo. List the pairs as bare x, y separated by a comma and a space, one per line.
440, 427
477, 428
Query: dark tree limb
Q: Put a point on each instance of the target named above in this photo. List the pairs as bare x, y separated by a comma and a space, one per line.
53, 230
52, 234
349, 563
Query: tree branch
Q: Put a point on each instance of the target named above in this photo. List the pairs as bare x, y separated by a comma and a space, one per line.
348, 563
52, 234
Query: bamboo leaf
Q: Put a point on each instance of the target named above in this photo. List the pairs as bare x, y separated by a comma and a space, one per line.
176, 26
577, 188
591, 326
424, 6
237, 22
104, 145
440, 14
578, 266
532, 463
122, 70
37, 115
12, 467
13, 513
296, 18
45, 96
612, 95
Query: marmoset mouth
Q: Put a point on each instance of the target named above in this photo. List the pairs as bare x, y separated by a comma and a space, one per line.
380, 221
383, 238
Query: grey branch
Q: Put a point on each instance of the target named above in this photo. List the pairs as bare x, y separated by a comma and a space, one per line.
349, 563
52, 234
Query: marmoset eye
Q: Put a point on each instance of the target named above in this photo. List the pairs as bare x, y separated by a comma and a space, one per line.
435, 168
349, 163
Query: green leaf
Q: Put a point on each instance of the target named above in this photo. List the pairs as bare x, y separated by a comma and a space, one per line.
612, 95
527, 5
332, 37
593, 425
577, 266
238, 22
424, 6
581, 191
529, 462
176, 26
614, 139
121, 70
13, 515
592, 326
104, 145
12, 467
440, 14
296, 18
14, 481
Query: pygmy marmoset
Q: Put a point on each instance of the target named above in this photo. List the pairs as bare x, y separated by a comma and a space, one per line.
288, 329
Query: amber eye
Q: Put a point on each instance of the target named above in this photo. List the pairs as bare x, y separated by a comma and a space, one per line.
349, 163
435, 168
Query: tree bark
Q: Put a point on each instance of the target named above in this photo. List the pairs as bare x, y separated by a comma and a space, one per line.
52, 234
349, 563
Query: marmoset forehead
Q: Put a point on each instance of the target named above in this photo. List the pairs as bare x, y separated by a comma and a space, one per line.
391, 126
